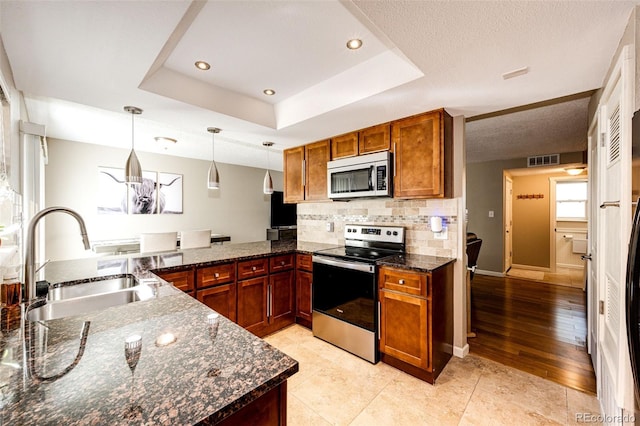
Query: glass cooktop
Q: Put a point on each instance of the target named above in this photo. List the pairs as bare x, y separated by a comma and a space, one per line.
369, 255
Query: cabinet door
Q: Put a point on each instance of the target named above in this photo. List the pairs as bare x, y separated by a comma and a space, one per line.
281, 306
404, 328
280, 263
221, 298
252, 304
293, 162
376, 138
316, 156
183, 280
344, 145
304, 281
419, 156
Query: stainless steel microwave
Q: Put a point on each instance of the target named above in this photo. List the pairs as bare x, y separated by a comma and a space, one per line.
362, 176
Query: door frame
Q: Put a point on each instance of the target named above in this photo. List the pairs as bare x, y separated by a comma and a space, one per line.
507, 228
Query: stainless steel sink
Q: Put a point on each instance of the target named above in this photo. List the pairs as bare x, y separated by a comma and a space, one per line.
91, 288
85, 304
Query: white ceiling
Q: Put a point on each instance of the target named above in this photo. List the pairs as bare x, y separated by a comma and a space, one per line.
78, 63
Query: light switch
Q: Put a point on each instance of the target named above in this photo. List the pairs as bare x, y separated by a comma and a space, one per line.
491, 213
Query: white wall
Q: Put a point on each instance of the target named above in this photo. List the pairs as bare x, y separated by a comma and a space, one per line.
238, 209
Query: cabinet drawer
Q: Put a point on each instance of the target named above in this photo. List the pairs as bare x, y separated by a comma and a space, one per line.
281, 263
404, 281
304, 262
214, 275
182, 280
253, 268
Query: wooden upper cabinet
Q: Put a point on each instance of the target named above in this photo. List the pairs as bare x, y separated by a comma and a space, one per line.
316, 157
374, 139
294, 174
344, 146
422, 147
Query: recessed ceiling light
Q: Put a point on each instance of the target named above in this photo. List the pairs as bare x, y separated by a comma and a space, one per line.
165, 141
515, 73
202, 65
269, 92
354, 43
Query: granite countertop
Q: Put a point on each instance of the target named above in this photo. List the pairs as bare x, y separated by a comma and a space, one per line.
416, 262
186, 382
141, 264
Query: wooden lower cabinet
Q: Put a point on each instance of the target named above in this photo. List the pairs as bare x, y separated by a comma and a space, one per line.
304, 294
252, 305
416, 320
220, 298
268, 410
281, 306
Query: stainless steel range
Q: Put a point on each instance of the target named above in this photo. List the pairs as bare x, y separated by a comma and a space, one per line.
345, 291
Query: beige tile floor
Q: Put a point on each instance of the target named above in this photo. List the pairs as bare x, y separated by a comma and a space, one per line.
334, 387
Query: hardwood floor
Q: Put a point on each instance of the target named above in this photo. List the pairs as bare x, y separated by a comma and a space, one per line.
533, 326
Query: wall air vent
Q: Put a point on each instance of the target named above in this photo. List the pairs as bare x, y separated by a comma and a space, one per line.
543, 160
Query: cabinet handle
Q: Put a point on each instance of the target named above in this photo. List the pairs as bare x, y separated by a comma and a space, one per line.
304, 172
253, 268
401, 282
282, 263
268, 301
216, 275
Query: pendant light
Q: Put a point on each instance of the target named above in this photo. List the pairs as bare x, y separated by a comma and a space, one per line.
132, 169
214, 179
267, 185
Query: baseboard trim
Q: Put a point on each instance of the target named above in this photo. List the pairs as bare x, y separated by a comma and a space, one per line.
531, 268
461, 352
490, 273
569, 266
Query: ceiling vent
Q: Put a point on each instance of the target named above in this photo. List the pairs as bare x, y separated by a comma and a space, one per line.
543, 160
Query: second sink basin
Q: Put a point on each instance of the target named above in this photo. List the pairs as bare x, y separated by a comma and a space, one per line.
85, 304
90, 288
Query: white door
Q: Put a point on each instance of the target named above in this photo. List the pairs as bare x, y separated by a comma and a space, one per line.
592, 251
508, 223
614, 216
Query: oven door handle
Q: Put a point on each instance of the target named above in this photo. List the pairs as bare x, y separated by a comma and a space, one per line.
363, 267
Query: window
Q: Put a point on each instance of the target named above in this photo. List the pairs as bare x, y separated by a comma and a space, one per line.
571, 200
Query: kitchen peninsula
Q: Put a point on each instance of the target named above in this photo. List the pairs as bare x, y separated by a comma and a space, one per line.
192, 381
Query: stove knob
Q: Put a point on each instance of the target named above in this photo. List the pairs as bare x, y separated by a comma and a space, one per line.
388, 232
395, 233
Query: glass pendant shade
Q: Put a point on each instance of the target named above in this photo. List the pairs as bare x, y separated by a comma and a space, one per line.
213, 180
267, 184
132, 169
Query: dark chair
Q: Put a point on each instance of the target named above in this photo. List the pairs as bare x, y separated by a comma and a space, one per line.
473, 250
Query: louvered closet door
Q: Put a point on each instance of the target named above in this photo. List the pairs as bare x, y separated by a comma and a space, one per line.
614, 228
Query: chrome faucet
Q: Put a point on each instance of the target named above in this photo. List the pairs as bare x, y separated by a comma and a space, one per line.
28, 342
29, 260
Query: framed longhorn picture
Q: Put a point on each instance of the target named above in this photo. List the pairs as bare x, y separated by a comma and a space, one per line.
169, 193
112, 191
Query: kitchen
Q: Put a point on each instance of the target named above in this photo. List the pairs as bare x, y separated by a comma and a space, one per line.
313, 216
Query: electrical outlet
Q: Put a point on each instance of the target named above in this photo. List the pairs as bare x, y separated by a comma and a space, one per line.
442, 235
491, 213
329, 226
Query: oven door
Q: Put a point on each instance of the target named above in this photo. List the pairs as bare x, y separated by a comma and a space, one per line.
345, 291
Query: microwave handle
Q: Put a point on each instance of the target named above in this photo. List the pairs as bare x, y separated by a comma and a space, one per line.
371, 172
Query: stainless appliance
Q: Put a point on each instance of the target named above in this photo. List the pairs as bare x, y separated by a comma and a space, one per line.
361, 176
345, 292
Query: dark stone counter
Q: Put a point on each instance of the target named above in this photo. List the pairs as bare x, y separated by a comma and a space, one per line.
190, 381
415, 262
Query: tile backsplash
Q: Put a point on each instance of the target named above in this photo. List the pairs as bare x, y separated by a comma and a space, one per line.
414, 215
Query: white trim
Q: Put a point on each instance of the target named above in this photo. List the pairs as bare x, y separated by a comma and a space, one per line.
531, 268
570, 266
461, 352
490, 273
